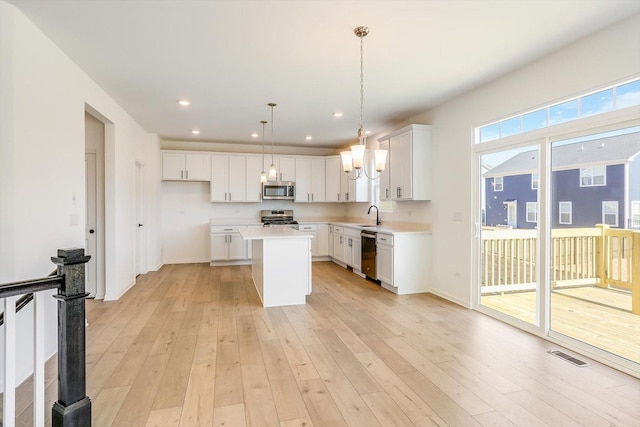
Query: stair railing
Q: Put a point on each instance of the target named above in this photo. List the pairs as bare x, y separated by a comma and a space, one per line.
73, 407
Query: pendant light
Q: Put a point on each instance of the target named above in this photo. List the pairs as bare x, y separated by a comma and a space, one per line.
263, 175
354, 159
272, 169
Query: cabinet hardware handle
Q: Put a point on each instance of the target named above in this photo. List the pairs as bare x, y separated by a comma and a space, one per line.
312, 197
181, 174
229, 196
387, 193
187, 173
228, 229
307, 197
338, 196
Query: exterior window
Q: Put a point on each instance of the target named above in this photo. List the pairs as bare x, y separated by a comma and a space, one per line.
497, 183
635, 214
532, 212
610, 213
565, 213
594, 176
534, 181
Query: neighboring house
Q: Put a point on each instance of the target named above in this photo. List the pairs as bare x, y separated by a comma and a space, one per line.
593, 182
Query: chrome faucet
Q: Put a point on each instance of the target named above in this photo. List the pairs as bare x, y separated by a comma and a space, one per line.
378, 222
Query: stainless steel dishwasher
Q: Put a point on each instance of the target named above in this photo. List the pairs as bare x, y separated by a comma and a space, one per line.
369, 254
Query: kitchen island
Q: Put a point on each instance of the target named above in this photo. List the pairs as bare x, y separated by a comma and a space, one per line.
280, 264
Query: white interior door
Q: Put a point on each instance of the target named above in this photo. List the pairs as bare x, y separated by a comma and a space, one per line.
91, 235
141, 253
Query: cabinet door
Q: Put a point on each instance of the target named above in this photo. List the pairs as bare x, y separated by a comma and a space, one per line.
173, 166
384, 263
401, 166
237, 247
330, 242
218, 247
348, 250
237, 178
323, 240
356, 253
385, 189
346, 187
318, 179
198, 167
338, 246
219, 178
303, 180
333, 174
287, 171
253, 184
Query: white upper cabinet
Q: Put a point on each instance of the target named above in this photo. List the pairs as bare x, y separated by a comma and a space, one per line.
333, 168
254, 186
185, 167
310, 179
385, 185
285, 167
354, 190
228, 178
409, 163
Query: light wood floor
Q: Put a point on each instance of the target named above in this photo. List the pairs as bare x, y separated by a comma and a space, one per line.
190, 345
597, 316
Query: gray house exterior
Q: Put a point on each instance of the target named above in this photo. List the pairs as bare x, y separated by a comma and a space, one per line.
592, 182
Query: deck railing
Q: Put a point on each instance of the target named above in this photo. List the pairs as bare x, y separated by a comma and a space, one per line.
73, 407
599, 256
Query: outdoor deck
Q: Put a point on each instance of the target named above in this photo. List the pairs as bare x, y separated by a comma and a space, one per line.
597, 316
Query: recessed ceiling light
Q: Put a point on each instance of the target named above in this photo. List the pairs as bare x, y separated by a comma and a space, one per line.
195, 132
184, 102
337, 114
367, 132
254, 135
308, 137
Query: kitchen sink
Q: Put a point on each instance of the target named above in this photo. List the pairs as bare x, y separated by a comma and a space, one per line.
366, 225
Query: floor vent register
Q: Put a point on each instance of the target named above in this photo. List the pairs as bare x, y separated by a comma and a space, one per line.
579, 363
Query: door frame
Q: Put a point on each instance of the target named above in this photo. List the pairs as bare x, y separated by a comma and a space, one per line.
140, 266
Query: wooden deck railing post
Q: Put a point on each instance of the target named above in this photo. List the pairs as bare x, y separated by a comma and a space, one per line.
635, 273
601, 256
73, 407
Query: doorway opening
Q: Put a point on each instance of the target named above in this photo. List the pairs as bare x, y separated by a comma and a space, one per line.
95, 206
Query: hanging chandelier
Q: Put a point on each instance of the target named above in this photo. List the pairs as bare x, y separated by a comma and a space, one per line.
354, 159
272, 169
263, 175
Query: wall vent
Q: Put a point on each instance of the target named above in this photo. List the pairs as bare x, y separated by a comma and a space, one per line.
579, 363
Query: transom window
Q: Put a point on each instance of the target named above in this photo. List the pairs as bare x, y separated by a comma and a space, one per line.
593, 176
532, 212
610, 213
497, 183
565, 213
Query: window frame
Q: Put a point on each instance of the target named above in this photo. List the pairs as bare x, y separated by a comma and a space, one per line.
535, 181
617, 205
560, 212
501, 183
635, 212
593, 176
535, 212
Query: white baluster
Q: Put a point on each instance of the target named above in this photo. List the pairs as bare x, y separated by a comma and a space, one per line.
9, 399
38, 359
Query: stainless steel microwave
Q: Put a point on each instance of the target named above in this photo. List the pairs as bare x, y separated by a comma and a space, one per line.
278, 190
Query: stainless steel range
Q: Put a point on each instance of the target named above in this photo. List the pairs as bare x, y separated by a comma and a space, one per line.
279, 218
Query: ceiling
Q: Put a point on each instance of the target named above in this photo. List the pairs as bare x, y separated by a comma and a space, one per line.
231, 58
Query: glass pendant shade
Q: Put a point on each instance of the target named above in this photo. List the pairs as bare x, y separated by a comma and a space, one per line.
347, 162
381, 159
272, 171
357, 151
263, 176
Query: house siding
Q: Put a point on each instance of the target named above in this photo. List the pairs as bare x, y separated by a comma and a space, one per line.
634, 188
586, 201
516, 187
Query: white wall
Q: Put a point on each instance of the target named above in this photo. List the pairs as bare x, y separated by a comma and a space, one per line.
186, 211
603, 58
42, 192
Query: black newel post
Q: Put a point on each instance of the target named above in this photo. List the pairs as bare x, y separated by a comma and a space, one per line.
73, 408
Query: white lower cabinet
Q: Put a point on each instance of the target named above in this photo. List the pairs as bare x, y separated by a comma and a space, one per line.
228, 246
338, 244
330, 241
347, 247
403, 262
320, 241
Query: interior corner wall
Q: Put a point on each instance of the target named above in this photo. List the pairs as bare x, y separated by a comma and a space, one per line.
603, 58
42, 179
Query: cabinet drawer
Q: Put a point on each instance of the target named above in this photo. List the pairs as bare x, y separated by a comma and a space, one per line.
338, 229
353, 232
384, 239
224, 229
308, 228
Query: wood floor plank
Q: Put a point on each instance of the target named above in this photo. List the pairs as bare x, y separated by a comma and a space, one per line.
298, 422
322, 408
232, 415
107, 404
386, 410
198, 401
168, 417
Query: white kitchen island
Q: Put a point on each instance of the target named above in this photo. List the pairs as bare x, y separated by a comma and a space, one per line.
280, 264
